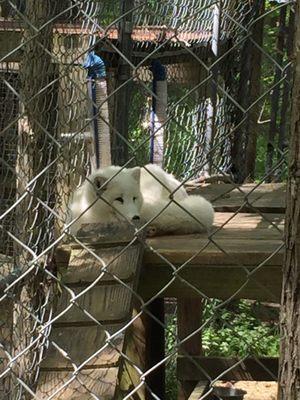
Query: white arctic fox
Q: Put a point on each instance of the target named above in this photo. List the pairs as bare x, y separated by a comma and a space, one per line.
148, 193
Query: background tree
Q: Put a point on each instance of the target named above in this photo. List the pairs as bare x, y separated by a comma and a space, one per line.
289, 377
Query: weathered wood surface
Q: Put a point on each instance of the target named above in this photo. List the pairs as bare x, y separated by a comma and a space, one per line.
199, 390
186, 326
78, 337
100, 235
105, 303
251, 369
244, 241
154, 319
268, 197
221, 282
85, 385
84, 266
219, 268
76, 344
135, 349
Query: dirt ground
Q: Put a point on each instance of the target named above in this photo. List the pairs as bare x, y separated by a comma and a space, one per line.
256, 390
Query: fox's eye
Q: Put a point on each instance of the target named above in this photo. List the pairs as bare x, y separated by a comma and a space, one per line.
119, 199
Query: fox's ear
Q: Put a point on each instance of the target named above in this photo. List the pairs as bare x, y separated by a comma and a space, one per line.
98, 182
136, 173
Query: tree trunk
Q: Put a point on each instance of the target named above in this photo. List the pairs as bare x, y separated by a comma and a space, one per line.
285, 104
244, 139
34, 223
289, 376
275, 98
254, 92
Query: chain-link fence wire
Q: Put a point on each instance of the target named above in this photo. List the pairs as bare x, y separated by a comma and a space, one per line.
228, 75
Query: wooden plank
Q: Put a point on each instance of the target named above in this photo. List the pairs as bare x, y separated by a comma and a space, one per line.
104, 303
85, 385
227, 198
260, 369
76, 335
239, 226
78, 343
213, 281
179, 249
85, 267
200, 390
249, 221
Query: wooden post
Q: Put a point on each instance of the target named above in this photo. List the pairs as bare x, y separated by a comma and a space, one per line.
135, 349
122, 104
189, 319
155, 348
289, 377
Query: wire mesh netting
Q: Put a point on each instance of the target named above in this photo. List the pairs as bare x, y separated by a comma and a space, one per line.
115, 282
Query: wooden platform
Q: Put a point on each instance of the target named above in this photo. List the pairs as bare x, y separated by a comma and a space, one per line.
268, 197
241, 258
243, 251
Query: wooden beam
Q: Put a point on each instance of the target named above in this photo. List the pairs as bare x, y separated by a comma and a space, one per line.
251, 369
189, 319
155, 348
230, 250
219, 282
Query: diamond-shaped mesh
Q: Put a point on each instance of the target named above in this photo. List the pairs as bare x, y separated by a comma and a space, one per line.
201, 88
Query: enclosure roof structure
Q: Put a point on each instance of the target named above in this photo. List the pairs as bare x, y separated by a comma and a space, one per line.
140, 34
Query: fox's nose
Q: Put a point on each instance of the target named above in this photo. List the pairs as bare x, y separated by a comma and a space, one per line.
136, 218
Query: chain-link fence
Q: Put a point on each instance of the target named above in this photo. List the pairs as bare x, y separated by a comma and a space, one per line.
151, 301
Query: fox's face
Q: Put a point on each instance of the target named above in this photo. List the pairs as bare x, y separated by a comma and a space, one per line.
122, 194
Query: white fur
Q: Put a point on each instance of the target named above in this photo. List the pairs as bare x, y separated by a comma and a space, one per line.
145, 192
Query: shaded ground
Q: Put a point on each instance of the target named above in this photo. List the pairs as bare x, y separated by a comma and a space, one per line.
257, 390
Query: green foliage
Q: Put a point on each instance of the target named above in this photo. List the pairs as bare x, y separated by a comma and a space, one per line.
238, 333
170, 338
